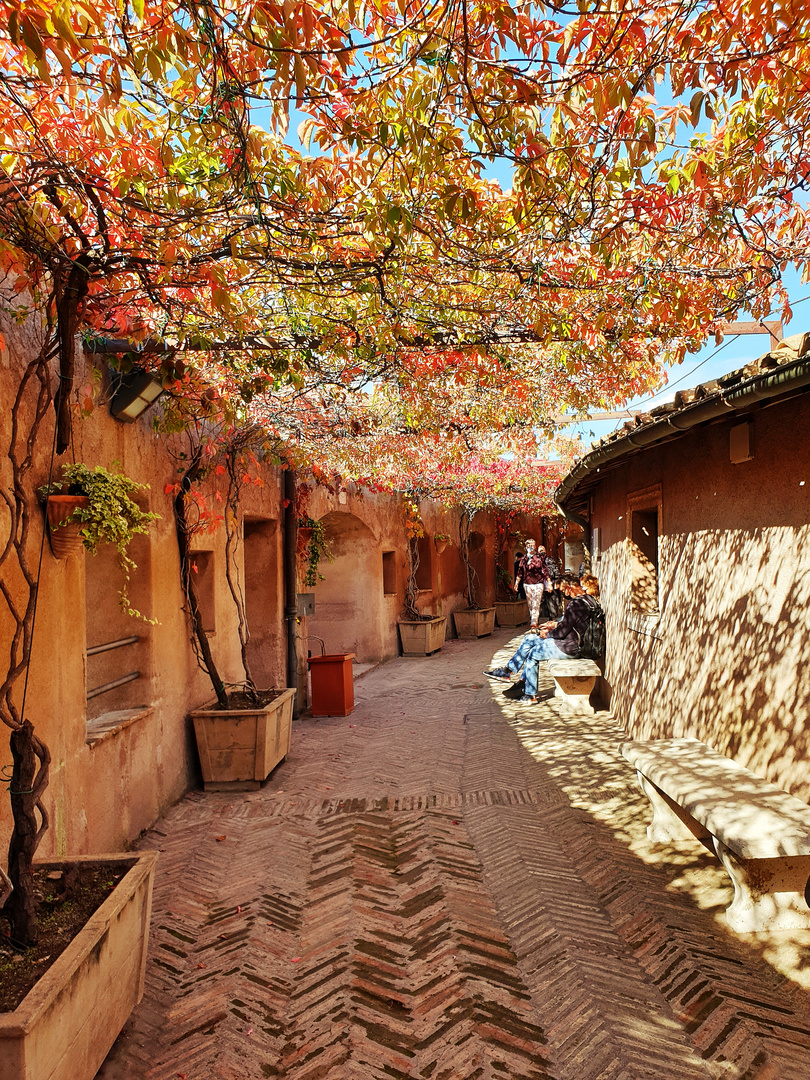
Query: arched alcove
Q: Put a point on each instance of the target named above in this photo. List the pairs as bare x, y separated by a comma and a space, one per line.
349, 601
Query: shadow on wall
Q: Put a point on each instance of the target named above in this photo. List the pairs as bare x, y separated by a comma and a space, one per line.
349, 601
730, 660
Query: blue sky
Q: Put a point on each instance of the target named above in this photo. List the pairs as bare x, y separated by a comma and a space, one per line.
709, 363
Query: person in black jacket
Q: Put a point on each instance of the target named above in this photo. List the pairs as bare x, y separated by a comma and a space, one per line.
556, 641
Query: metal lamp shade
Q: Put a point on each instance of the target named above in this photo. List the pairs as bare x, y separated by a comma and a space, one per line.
134, 394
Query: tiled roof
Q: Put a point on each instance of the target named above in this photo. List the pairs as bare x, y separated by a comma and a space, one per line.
736, 391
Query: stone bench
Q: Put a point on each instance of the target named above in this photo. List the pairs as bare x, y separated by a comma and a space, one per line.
759, 832
574, 681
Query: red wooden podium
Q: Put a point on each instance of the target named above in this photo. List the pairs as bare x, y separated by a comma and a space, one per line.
332, 684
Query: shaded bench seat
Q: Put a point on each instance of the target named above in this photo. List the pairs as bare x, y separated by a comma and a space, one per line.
760, 833
574, 681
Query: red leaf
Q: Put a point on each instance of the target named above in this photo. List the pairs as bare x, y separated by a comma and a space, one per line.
219, 839
295, 959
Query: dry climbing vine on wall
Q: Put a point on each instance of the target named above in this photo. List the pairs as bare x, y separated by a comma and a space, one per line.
20, 562
414, 531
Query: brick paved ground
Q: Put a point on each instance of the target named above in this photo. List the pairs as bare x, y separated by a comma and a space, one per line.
449, 887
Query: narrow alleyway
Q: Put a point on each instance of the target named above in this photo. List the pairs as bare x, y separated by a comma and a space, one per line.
448, 886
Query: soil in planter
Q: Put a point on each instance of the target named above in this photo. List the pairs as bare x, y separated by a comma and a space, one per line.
241, 699
67, 899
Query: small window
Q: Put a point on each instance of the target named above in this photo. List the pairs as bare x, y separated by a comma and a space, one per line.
202, 570
424, 572
643, 523
389, 573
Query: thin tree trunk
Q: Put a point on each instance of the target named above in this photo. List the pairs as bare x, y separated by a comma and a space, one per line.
232, 567
464, 524
68, 308
189, 590
29, 780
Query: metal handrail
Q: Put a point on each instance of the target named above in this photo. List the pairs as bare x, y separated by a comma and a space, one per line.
94, 650
105, 687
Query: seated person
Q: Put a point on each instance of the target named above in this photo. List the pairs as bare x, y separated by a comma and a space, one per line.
557, 641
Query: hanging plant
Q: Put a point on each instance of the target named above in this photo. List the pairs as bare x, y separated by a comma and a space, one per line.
107, 514
315, 548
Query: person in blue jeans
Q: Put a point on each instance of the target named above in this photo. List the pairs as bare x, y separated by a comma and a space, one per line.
529, 653
556, 641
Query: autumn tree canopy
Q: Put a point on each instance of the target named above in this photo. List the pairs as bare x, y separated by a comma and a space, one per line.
369, 282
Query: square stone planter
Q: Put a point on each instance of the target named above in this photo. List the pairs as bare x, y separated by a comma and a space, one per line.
474, 624
511, 612
422, 638
239, 748
64, 1027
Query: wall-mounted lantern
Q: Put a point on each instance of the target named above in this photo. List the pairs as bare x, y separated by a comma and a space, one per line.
134, 393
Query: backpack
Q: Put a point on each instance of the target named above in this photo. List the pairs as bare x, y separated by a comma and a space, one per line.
592, 642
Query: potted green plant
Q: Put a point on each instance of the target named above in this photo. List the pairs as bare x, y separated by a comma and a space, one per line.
91, 506
440, 542
313, 547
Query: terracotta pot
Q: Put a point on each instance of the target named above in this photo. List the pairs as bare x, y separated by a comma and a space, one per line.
441, 545
65, 539
64, 1027
303, 539
239, 748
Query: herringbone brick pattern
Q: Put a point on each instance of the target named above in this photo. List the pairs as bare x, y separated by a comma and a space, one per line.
446, 887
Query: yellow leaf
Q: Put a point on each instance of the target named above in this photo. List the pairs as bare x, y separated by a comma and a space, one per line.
32, 39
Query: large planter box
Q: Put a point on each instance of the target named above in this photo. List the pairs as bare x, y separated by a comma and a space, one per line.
511, 612
64, 1028
239, 748
422, 638
474, 624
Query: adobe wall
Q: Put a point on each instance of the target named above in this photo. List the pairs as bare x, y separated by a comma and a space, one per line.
727, 662
122, 757
103, 793
356, 608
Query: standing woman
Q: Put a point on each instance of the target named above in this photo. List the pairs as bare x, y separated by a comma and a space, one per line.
533, 575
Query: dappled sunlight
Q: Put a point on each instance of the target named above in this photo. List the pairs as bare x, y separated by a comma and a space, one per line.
580, 755
735, 642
